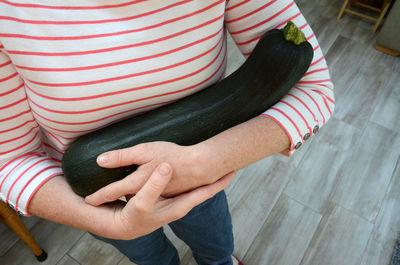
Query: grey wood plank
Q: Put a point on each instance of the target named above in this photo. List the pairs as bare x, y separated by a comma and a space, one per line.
337, 54
253, 197
338, 135
396, 65
356, 104
54, 238
387, 109
316, 178
380, 59
321, 16
236, 179
366, 175
343, 59
188, 259
67, 260
331, 9
285, 236
234, 56
9, 238
91, 251
387, 227
307, 7
359, 30
340, 239
311, 13
327, 31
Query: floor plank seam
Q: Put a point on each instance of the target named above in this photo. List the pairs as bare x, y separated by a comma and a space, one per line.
355, 214
389, 129
18, 239
266, 218
13, 245
262, 224
312, 238
366, 245
301, 203
392, 178
72, 258
73, 245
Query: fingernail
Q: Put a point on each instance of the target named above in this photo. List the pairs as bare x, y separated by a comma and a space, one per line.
164, 170
102, 159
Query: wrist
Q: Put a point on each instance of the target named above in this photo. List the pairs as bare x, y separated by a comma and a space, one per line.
55, 201
99, 220
206, 164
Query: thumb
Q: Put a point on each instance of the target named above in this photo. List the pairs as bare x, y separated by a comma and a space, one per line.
151, 191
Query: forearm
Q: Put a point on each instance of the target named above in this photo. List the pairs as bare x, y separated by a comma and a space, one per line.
55, 201
194, 165
243, 145
142, 214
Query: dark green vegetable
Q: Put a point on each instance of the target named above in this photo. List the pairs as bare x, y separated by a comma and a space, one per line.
274, 67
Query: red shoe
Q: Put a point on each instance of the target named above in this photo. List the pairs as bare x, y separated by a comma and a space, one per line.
236, 261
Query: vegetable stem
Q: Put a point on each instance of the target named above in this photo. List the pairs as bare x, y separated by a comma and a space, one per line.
292, 33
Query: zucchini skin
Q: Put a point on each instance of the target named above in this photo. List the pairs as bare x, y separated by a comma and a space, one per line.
272, 69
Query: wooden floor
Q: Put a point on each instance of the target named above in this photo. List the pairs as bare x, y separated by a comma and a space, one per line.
335, 202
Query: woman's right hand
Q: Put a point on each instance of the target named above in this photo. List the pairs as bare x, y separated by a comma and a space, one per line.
142, 214
148, 211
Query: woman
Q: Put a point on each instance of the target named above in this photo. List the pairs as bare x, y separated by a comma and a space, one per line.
69, 69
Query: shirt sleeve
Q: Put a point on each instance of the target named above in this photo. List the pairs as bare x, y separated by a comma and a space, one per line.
24, 167
310, 103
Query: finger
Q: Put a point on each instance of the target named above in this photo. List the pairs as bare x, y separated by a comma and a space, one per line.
150, 193
137, 154
129, 185
182, 204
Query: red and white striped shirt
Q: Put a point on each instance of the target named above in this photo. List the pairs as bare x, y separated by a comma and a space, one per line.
68, 68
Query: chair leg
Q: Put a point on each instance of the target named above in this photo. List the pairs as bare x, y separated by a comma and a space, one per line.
346, 2
15, 223
382, 15
387, 50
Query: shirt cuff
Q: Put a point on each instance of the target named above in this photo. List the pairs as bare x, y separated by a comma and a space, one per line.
297, 127
21, 177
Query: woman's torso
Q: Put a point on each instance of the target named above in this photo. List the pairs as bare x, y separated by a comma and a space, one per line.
91, 64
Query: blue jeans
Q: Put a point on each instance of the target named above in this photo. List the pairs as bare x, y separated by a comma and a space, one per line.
206, 229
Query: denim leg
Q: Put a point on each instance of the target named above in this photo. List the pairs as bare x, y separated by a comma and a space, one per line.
151, 249
207, 230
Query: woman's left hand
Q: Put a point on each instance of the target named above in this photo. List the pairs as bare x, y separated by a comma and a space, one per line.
188, 163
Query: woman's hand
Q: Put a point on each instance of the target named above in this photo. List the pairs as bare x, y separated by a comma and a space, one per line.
189, 164
142, 214
147, 210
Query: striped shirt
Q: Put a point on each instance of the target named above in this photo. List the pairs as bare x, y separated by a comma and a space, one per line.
69, 68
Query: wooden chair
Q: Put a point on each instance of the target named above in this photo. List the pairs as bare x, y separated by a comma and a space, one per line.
381, 11
8, 216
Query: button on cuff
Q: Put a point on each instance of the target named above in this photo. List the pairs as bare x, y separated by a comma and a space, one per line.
298, 145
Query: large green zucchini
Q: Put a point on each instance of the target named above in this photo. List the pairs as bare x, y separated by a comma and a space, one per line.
272, 69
